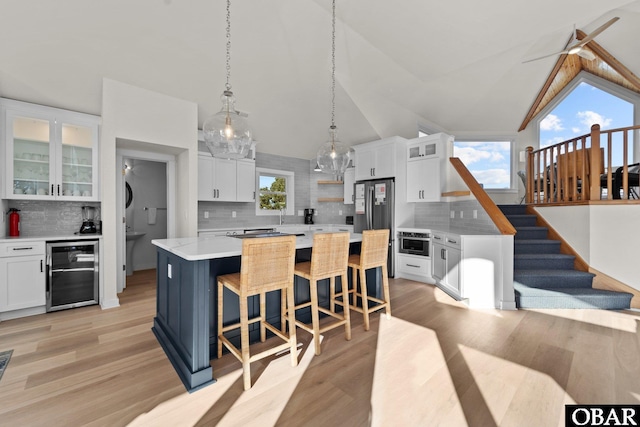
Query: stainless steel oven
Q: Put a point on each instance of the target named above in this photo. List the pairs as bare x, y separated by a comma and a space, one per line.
414, 243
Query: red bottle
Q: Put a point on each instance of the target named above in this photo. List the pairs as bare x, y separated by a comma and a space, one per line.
14, 222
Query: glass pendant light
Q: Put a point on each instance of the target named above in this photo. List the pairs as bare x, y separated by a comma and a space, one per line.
227, 133
333, 156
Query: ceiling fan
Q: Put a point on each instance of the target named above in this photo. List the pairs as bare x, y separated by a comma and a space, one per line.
576, 46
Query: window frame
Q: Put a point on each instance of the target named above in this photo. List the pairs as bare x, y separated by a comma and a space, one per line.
289, 176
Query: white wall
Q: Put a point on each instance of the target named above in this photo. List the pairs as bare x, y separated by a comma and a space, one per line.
607, 237
171, 125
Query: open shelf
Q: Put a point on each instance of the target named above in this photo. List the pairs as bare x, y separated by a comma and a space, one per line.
331, 199
330, 182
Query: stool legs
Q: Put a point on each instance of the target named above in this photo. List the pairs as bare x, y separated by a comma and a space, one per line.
220, 305
315, 317
385, 290
365, 297
244, 342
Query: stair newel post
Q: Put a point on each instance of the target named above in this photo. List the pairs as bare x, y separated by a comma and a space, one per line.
594, 165
530, 175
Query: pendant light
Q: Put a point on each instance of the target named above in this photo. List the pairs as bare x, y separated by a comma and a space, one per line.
227, 133
333, 156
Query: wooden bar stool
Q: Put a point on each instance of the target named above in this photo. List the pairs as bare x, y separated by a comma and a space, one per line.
267, 265
373, 254
329, 258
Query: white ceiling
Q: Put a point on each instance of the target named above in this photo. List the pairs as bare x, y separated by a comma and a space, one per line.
456, 64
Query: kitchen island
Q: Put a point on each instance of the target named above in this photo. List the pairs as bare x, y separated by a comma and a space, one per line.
186, 311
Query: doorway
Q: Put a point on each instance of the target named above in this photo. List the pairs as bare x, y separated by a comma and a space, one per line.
147, 182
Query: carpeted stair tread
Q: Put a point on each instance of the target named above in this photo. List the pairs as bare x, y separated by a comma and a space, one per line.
527, 297
543, 261
513, 209
531, 233
536, 246
552, 279
522, 220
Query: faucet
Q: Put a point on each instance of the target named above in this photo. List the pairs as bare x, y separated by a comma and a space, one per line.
282, 210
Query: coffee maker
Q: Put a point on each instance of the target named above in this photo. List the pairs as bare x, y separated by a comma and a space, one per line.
308, 216
88, 220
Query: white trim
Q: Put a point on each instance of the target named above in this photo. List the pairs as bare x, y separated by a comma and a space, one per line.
290, 176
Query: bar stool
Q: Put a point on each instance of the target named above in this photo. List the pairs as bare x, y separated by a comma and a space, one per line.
329, 258
267, 265
374, 251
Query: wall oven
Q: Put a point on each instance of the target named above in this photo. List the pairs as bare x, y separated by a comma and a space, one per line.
72, 274
414, 243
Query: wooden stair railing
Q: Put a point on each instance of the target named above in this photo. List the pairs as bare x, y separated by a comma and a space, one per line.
496, 215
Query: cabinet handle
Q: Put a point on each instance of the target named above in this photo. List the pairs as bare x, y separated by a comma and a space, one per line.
452, 241
374, 171
41, 267
58, 189
411, 265
52, 194
443, 254
437, 237
23, 249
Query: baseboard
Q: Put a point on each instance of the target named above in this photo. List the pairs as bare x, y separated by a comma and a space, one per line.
112, 303
608, 283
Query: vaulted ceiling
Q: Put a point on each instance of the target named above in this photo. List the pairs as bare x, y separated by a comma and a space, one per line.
454, 65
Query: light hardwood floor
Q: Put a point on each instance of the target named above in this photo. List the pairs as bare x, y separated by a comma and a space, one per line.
435, 362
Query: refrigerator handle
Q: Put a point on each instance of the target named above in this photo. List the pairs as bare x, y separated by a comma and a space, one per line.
369, 209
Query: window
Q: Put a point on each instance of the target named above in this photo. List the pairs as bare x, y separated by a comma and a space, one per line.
488, 161
584, 106
275, 192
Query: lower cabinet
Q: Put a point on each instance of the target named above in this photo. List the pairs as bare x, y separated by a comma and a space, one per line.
414, 267
22, 276
446, 262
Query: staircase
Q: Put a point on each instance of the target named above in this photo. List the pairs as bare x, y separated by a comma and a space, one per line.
545, 278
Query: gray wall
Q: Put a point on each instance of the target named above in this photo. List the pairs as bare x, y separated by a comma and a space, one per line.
307, 192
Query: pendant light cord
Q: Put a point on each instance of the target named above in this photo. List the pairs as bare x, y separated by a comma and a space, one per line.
228, 85
333, 67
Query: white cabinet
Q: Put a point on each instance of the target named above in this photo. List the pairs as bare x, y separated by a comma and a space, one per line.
414, 267
349, 181
226, 180
427, 166
22, 275
376, 159
446, 257
50, 154
246, 180
423, 180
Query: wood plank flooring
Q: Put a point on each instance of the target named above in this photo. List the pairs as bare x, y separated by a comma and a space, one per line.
434, 362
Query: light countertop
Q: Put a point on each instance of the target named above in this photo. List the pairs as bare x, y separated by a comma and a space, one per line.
50, 237
201, 248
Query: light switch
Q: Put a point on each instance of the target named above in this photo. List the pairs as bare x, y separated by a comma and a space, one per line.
206, 214
475, 214
453, 214
233, 214
300, 213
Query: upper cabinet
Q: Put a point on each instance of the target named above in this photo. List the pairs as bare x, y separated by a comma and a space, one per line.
226, 180
50, 154
349, 180
427, 162
376, 159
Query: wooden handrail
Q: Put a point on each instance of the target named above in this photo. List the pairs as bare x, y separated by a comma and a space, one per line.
496, 215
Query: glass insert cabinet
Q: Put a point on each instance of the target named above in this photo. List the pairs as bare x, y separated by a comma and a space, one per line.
51, 154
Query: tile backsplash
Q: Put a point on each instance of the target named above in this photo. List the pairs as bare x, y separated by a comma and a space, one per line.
437, 216
38, 218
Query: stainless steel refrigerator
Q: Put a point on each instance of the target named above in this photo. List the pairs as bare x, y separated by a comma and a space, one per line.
374, 210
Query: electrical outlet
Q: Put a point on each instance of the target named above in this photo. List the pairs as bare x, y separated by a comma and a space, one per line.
475, 214
300, 213
233, 214
340, 212
206, 214
461, 214
453, 214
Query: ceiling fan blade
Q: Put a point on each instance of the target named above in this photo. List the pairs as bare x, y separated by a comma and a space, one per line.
598, 30
586, 54
546, 56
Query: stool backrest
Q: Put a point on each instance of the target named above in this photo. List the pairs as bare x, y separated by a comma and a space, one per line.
375, 248
330, 254
267, 263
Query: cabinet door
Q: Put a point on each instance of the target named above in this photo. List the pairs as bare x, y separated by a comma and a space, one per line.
205, 178
365, 163
22, 282
423, 180
29, 149
349, 180
76, 160
439, 259
246, 180
453, 269
385, 164
224, 179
